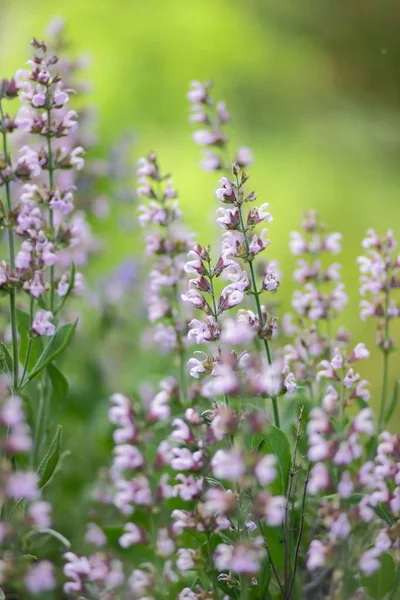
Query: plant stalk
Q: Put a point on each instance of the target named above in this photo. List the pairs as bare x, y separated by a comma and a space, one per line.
259, 311
12, 292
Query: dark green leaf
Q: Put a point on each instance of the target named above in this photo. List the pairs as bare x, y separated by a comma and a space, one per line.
265, 577
59, 383
6, 362
50, 461
383, 580
58, 343
276, 547
53, 533
381, 511
275, 442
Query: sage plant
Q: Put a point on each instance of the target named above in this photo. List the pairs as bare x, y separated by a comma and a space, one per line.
256, 469
43, 236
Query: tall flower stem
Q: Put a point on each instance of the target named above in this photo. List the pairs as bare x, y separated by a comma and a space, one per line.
29, 348
255, 293
50, 167
12, 292
215, 311
385, 370
183, 388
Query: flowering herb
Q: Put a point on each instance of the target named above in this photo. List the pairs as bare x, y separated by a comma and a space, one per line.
256, 469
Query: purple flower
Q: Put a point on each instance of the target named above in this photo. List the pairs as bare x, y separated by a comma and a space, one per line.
185, 560
210, 161
369, 561
133, 535
226, 192
23, 485
316, 555
41, 324
241, 558
39, 514
197, 92
244, 157
227, 464
319, 479
265, 469
40, 577
95, 535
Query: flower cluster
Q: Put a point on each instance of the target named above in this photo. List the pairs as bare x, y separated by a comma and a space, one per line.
356, 490
212, 117
380, 275
209, 494
45, 235
320, 301
170, 245
192, 471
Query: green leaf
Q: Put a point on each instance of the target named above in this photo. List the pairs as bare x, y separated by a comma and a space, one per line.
276, 547
6, 362
50, 460
265, 577
393, 403
24, 330
58, 343
59, 383
383, 580
53, 533
275, 442
381, 511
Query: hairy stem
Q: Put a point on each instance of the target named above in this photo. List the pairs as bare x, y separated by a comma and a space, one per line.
51, 216
29, 349
300, 535
13, 309
255, 293
287, 532
385, 375
215, 310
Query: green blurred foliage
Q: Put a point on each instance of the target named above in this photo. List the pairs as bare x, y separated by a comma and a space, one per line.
313, 88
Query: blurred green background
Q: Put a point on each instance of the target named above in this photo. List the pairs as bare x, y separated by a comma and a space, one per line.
314, 89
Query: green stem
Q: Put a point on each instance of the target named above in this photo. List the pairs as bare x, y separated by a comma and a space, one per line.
255, 293
385, 366
212, 294
39, 426
29, 349
183, 388
13, 308
51, 216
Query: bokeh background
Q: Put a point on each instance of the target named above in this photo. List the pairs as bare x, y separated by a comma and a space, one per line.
314, 89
